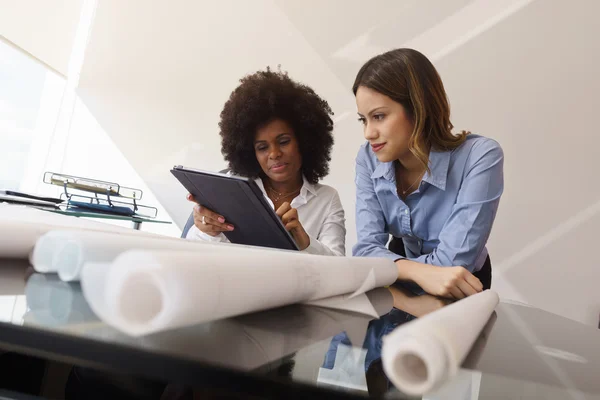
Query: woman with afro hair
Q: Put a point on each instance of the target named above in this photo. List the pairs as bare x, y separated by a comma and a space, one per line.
279, 132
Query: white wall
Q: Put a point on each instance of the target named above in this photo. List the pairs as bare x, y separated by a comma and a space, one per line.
531, 83
157, 76
44, 29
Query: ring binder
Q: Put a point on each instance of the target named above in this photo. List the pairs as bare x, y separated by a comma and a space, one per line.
99, 196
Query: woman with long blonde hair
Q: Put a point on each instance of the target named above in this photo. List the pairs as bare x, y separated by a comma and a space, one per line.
416, 180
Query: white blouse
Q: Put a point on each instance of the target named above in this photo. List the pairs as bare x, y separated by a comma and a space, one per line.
320, 212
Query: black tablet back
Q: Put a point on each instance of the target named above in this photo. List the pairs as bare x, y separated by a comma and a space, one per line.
243, 205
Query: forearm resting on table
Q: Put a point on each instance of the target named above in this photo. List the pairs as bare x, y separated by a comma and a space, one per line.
414, 304
409, 270
453, 281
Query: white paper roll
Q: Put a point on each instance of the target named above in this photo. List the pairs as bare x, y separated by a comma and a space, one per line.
151, 291
65, 252
256, 340
22, 226
418, 357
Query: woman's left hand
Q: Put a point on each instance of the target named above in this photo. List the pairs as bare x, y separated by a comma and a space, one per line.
289, 217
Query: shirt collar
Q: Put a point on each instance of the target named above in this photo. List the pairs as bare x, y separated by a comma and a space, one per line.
307, 187
306, 191
438, 164
384, 170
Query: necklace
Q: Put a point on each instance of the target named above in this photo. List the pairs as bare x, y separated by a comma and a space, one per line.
277, 195
404, 191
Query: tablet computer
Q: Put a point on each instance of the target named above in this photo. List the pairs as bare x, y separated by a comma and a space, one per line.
241, 202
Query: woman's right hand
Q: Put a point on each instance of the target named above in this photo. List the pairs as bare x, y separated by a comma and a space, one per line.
208, 221
450, 282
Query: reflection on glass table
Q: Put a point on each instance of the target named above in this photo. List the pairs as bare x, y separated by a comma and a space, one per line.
523, 352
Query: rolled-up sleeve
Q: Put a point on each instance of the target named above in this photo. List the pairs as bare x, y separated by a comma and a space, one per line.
371, 227
464, 235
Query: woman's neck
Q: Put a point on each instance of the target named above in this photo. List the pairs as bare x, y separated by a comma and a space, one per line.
411, 164
288, 186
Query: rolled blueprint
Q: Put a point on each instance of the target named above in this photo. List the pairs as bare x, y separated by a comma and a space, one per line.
22, 226
65, 251
142, 292
418, 357
258, 340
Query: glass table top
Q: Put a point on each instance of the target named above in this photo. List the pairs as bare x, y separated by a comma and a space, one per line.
88, 214
523, 352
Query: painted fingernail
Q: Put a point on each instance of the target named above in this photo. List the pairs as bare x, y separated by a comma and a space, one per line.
230, 227
221, 219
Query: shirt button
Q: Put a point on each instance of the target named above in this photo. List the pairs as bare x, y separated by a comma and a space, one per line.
406, 211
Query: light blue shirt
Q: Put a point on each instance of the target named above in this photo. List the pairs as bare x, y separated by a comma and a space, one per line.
447, 220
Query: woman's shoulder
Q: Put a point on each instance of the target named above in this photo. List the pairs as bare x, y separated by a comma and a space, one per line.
323, 190
476, 148
325, 195
321, 199
475, 142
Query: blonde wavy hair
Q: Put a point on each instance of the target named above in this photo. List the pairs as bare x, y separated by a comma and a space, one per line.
409, 78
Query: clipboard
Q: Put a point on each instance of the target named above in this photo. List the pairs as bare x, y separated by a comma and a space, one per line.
241, 202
